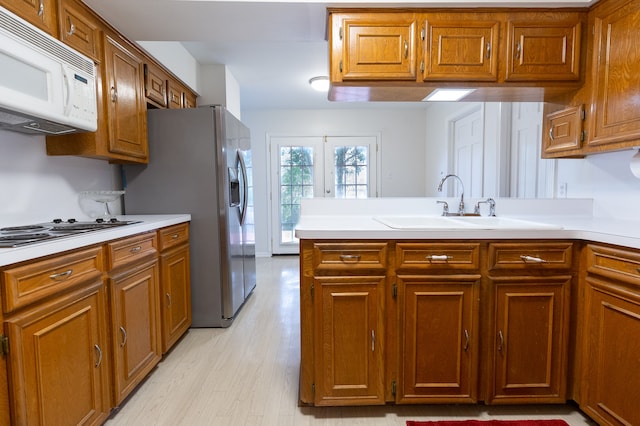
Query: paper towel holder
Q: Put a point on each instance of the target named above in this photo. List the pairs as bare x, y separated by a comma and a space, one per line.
634, 164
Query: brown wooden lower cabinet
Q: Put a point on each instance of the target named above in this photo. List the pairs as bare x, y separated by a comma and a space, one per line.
447, 309
611, 366
83, 328
438, 339
59, 360
528, 340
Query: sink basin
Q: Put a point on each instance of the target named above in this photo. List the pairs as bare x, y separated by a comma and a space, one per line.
419, 222
494, 222
459, 222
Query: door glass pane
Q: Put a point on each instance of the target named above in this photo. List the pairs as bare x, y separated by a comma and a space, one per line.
351, 171
296, 182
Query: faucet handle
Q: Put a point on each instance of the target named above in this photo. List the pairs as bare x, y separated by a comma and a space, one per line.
445, 207
492, 206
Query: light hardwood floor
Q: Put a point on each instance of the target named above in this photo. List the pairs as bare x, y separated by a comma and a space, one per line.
248, 374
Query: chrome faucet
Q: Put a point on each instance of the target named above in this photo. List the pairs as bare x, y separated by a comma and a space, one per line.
461, 205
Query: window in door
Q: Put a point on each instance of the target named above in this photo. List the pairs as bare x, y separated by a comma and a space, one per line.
316, 166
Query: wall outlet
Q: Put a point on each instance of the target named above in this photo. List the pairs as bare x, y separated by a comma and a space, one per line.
562, 190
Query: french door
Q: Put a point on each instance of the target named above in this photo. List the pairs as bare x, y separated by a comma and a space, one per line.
316, 166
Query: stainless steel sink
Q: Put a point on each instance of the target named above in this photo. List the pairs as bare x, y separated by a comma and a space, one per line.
459, 222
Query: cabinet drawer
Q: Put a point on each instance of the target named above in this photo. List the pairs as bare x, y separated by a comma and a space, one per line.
172, 236
522, 255
349, 256
614, 263
36, 281
438, 256
128, 250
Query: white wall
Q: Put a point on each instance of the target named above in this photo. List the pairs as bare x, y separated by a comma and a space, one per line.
177, 59
35, 187
402, 149
607, 179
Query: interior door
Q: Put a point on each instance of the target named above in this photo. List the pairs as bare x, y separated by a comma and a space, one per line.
467, 159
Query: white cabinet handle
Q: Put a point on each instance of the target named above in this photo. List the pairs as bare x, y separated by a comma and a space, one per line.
99, 351
353, 258
438, 257
532, 259
124, 337
62, 275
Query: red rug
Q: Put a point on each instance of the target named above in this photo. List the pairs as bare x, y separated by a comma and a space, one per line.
488, 423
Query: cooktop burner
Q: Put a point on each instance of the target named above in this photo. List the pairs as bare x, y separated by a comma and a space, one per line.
15, 236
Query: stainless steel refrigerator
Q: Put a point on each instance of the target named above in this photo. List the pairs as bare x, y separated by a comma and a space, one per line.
200, 163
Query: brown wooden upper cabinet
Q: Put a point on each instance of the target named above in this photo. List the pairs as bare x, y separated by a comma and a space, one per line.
543, 49
79, 28
125, 102
155, 85
41, 13
380, 46
616, 75
563, 131
460, 49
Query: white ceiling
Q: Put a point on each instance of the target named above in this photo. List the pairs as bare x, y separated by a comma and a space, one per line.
271, 48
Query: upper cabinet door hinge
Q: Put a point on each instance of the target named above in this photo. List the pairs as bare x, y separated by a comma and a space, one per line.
393, 388
394, 290
312, 289
583, 114
422, 66
4, 345
340, 65
422, 33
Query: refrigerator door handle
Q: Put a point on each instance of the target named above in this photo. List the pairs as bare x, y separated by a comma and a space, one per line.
245, 188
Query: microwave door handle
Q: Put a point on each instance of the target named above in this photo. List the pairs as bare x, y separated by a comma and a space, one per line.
68, 86
245, 188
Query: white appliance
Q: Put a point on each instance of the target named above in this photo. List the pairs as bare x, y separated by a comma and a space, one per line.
45, 86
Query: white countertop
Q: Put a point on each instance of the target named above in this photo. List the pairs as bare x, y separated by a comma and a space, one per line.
354, 219
9, 256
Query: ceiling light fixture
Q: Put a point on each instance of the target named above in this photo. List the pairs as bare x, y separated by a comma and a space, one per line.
451, 95
321, 84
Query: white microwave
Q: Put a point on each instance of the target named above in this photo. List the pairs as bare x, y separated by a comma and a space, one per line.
45, 86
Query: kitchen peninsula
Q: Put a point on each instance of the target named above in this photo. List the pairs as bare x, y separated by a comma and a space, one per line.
464, 314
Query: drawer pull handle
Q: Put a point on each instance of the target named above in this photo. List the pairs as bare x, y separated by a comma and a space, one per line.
439, 257
352, 258
175, 236
62, 275
99, 351
500, 341
135, 249
168, 299
532, 259
124, 336
466, 340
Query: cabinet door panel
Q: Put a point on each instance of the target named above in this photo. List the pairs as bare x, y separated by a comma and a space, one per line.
176, 295
439, 339
125, 101
58, 360
543, 51
529, 339
616, 88
612, 368
135, 334
379, 50
461, 50
41, 13
78, 28
350, 342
